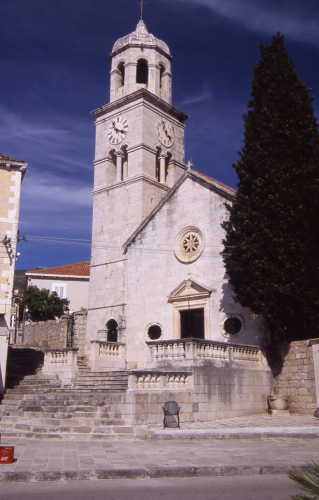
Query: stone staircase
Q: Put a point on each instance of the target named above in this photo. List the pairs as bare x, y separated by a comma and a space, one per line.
39, 406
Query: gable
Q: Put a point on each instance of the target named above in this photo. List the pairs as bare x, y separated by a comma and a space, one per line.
188, 290
210, 185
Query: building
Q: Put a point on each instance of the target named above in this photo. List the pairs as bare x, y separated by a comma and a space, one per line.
70, 281
11, 175
160, 305
156, 268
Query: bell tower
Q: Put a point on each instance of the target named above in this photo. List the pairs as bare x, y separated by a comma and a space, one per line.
139, 156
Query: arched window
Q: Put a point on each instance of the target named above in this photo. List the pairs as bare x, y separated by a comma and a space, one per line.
142, 71
162, 71
121, 70
111, 330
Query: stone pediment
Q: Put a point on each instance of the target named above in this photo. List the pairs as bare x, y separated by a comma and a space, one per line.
189, 290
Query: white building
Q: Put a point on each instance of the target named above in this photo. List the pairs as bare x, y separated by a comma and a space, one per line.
70, 281
160, 304
157, 236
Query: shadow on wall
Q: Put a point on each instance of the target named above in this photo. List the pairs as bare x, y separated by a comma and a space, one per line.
275, 355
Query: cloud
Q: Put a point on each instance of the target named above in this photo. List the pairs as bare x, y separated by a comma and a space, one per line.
196, 98
296, 20
52, 139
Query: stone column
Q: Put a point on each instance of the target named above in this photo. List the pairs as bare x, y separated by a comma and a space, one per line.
162, 168
315, 350
125, 170
119, 161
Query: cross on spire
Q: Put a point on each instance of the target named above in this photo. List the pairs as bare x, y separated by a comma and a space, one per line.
142, 10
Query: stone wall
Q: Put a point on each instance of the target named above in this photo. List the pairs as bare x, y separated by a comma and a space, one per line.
54, 334
213, 391
46, 334
80, 318
294, 376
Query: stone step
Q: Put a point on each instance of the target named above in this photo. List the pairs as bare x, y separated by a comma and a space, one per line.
69, 422
60, 415
65, 431
112, 434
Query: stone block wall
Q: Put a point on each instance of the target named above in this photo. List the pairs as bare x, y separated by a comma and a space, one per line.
211, 392
53, 334
80, 318
294, 376
46, 334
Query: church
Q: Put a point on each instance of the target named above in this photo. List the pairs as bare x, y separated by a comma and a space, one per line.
160, 305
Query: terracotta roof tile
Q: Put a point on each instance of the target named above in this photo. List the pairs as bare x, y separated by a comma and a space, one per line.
214, 180
77, 269
9, 158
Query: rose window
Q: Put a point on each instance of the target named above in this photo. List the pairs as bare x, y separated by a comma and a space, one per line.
189, 244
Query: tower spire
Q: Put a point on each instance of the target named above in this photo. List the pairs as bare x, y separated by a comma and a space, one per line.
142, 10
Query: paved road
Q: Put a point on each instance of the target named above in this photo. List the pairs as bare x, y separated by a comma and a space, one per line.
246, 449
267, 487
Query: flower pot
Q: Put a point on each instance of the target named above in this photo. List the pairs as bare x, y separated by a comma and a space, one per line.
278, 402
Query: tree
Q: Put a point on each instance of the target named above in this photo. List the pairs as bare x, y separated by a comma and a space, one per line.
272, 234
43, 304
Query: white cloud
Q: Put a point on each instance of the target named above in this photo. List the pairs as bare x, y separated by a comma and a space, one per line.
296, 20
202, 96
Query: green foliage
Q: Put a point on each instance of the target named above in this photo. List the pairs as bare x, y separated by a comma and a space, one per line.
44, 305
308, 480
273, 225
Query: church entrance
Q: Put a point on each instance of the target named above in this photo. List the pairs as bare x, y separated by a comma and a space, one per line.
192, 323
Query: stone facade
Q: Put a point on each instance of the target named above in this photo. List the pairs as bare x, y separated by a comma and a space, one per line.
147, 206
11, 175
46, 334
67, 331
295, 376
79, 328
160, 305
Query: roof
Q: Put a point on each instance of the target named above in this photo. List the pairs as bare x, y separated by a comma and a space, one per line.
214, 181
79, 269
140, 37
9, 159
216, 186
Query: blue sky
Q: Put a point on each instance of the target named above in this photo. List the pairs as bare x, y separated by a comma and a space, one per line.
55, 71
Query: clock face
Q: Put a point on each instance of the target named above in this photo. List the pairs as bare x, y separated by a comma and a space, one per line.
164, 132
118, 130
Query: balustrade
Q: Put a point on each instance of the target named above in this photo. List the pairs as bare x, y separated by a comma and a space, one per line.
61, 362
150, 380
192, 350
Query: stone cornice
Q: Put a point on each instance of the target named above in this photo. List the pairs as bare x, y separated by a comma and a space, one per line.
130, 180
17, 166
138, 45
145, 95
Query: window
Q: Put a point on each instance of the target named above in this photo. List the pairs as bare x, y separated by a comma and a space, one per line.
121, 70
192, 323
189, 244
162, 71
60, 289
154, 332
233, 325
111, 330
142, 71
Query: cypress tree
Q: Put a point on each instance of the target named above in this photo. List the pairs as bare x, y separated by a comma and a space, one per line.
272, 234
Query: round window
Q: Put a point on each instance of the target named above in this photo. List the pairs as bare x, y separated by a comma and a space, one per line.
189, 244
232, 325
154, 332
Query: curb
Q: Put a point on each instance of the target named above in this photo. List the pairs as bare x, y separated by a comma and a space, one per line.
229, 435
152, 473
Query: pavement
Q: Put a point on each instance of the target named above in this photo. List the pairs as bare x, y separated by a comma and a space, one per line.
259, 444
